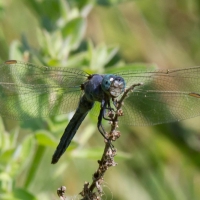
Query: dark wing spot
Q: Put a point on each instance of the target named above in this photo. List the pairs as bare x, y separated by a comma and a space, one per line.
194, 95
11, 62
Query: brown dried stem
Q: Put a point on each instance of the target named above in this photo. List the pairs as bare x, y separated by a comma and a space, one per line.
107, 159
61, 192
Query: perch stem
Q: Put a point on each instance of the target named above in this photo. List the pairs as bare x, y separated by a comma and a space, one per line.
107, 159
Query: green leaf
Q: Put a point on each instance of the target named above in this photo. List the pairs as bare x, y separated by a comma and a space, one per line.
27, 147
13, 137
44, 138
8, 196
23, 153
23, 194
4, 137
64, 9
7, 140
5, 181
74, 30
112, 51
6, 156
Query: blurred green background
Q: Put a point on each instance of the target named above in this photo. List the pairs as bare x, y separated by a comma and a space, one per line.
154, 163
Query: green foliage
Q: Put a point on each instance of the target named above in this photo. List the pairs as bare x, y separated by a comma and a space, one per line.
159, 162
14, 158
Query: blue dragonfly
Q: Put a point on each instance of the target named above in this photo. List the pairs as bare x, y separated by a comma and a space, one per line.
30, 91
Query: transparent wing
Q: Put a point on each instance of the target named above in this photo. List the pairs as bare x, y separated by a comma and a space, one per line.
32, 91
165, 96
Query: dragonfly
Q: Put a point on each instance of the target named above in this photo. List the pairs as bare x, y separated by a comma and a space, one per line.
30, 91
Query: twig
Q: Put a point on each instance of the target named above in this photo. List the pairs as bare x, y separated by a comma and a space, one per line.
61, 192
109, 153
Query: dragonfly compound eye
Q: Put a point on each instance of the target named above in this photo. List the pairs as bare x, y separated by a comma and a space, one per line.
106, 82
113, 85
117, 86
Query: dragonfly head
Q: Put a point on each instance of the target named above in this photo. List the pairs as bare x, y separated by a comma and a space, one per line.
113, 85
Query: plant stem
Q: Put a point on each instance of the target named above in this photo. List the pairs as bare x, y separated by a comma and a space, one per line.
107, 159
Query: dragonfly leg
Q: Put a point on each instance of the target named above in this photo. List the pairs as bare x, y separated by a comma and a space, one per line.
114, 102
104, 114
99, 124
102, 131
100, 127
110, 109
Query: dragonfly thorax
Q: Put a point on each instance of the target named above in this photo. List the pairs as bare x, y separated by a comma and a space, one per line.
92, 88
